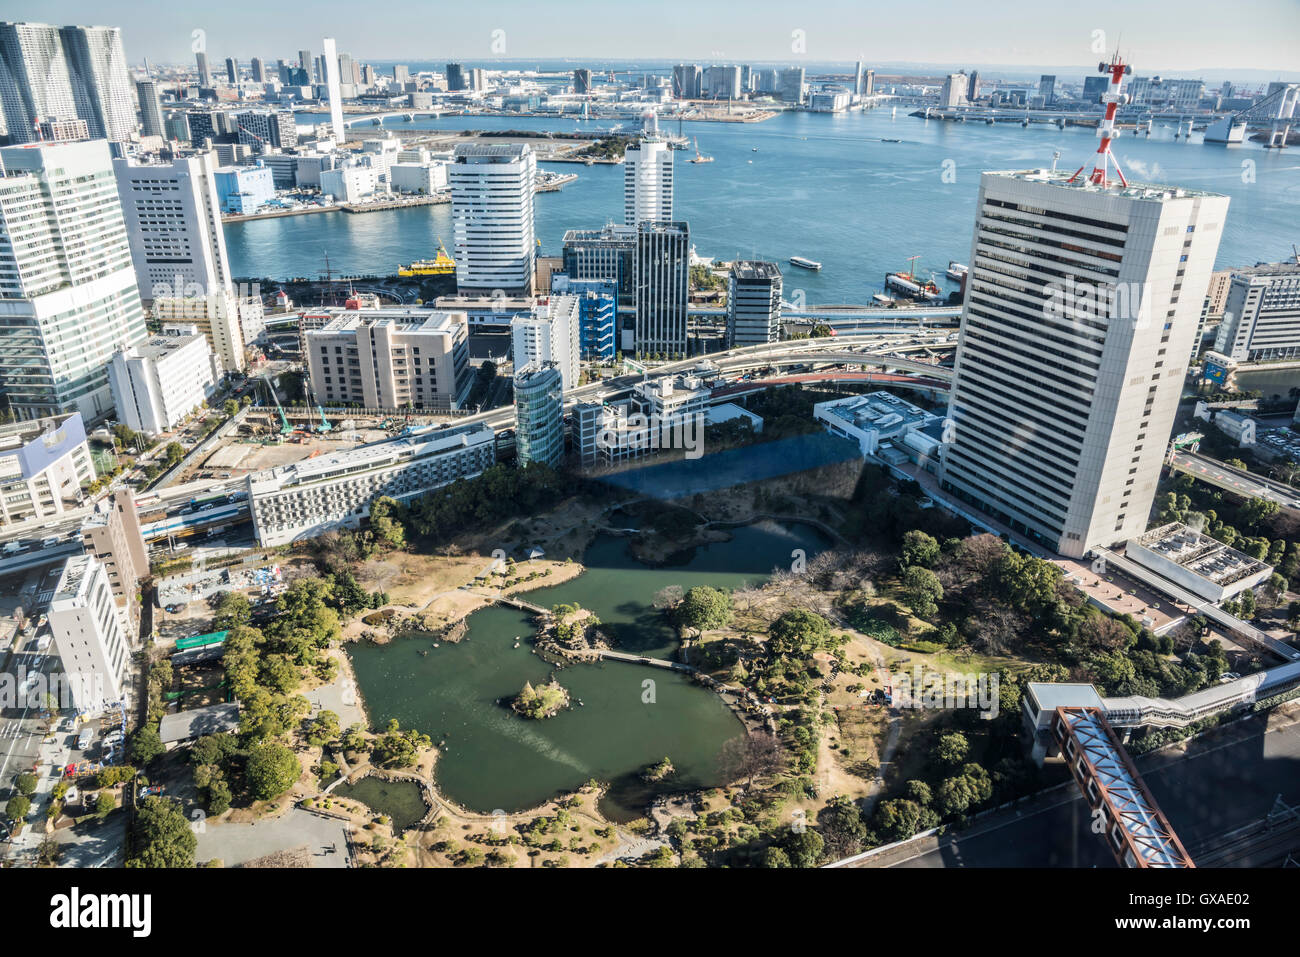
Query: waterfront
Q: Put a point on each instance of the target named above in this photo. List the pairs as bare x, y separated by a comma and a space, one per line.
494, 759
822, 186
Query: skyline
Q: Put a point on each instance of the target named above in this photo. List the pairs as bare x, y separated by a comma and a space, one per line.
839, 32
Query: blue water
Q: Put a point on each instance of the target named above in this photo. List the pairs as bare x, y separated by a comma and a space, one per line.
822, 186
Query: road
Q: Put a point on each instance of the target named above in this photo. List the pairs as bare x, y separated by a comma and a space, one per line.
1223, 476
1226, 780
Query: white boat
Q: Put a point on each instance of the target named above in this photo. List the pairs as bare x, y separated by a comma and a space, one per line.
956, 271
803, 263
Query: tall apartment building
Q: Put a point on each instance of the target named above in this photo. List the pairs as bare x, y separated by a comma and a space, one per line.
753, 303
724, 82
178, 248
582, 81
68, 297
1212, 312
492, 209
307, 498
456, 78
1261, 313
790, 84
158, 382
205, 72
552, 334
89, 634
391, 358
267, 129
662, 287
688, 81
953, 92
647, 181
307, 63
232, 71
1081, 306
113, 537
65, 73
151, 117
43, 465
539, 414
258, 69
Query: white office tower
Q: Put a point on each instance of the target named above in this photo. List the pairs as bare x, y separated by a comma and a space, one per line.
158, 382
492, 209
647, 182
331, 80
954, 90
89, 635
1081, 306
173, 220
53, 73
1261, 314
68, 297
550, 335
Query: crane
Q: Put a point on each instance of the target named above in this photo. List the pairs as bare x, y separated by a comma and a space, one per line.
285, 427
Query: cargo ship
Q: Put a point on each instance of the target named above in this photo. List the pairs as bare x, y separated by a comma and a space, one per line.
443, 265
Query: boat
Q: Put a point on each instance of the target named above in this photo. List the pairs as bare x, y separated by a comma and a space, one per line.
882, 299
803, 263
956, 271
443, 265
884, 139
697, 158
753, 149
911, 285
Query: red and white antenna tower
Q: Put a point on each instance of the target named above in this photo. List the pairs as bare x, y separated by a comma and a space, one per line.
1113, 98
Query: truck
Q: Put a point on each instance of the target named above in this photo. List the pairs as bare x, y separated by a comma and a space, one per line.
85, 738
13, 548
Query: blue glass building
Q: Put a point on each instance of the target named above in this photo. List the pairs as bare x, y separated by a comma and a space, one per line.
596, 314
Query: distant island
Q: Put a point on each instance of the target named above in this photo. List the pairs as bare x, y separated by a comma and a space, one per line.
544, 701
657, 772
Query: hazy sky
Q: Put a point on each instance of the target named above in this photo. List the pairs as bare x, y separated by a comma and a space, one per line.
1156, 35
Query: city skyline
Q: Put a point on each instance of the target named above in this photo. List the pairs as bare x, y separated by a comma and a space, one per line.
839, 32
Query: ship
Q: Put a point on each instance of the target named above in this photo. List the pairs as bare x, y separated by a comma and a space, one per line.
803, 263
698, 158
443, 265
956, 271
911, 285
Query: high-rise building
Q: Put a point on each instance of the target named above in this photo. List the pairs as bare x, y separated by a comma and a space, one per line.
113, 537
662, 284
307, 63
258, 69
723, 82
647, 181
605, 254
753, 304
1093, 88
492, 209
173, 221
43, 466
1047, 88
552, 334
539, 415
973, 86
954, 91
582, 80
90, 634
596, 314
688, 82
65, 73
401, 75
1082, 302
158, 382
1216, 295
1261, 314
266, 129
456, 78
151, 117
68, 297
330, 77
232, 71
205, 72
790, 84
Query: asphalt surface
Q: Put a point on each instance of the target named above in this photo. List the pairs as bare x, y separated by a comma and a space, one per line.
1233, 480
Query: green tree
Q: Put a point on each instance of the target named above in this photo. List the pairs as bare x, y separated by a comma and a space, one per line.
26, 783
230, 407
897, 819
233, 609
804, 847
798, 632
951, 749
842, 828
145, 744
104, 805
272, 769
964, 792
775, 857
703, 608
922, 590
162, 836
920, 549
218, 797
18, 808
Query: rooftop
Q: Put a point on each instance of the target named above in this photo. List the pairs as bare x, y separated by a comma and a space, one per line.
877, 410
159, 347
1270, 269
1204, 556
509, 151
1134, 190
755, 270
185, 725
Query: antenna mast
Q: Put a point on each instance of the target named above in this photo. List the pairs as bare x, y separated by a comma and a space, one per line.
1117, 69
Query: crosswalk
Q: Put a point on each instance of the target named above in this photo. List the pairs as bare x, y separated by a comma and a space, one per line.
12, 729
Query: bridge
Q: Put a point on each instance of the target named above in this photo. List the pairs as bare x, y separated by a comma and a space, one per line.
934, 386
609, 655
1135, 828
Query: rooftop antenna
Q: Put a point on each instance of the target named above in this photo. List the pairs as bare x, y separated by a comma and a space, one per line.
1117, 69
1056, 155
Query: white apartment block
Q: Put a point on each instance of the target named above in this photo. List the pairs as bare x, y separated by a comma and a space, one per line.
647, 181
89, 635
68, 296
492, 209
308, 498
1261, 314
953, 92
158, 382
390, 358
1081, 307
552, 333
217, 318
424, 179
351, 184
43, 465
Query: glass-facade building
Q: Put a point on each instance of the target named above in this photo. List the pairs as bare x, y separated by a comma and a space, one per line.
539, 415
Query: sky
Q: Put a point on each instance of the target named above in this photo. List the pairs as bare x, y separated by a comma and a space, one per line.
1170, 36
